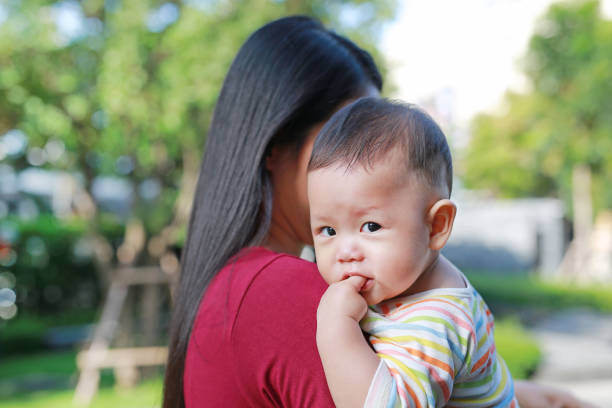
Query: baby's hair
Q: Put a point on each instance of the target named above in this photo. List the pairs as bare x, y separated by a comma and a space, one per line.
365, 130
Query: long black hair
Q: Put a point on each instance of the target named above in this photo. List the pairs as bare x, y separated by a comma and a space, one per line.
288, 76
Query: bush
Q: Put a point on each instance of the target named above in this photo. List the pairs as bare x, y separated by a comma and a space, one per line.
27, 333
529, 291
517, 347
52, 264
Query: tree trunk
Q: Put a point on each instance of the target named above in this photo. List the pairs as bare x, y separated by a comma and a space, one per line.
182, 207
583, 219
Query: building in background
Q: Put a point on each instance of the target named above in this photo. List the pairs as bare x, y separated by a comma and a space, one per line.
523, 235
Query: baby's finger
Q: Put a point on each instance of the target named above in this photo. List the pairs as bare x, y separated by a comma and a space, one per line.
355, 281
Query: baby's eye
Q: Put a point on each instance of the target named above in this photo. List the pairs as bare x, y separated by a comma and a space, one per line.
370, 227
328, 231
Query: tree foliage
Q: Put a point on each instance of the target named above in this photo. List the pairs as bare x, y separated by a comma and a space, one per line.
564, 120
129, 87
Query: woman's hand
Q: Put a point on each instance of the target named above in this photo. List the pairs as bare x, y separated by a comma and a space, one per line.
532, 395
342, 299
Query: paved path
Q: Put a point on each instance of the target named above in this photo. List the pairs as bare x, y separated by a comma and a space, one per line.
577, 348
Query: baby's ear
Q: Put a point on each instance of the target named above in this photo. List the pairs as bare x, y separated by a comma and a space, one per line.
440, 217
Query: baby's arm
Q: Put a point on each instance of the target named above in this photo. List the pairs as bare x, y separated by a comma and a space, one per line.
348, 360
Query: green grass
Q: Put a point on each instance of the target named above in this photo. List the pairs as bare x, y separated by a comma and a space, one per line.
46, 363
59, 368
50, 370
146, 395
517, 347
535, 293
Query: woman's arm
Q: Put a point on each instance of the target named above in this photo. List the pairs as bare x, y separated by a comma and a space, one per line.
533, 395
348, 361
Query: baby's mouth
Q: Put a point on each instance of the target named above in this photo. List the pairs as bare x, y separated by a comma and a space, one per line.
367, 285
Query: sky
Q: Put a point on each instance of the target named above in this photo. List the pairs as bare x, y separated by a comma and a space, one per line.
466, 52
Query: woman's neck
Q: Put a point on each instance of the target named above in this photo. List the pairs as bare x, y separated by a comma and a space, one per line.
283, 241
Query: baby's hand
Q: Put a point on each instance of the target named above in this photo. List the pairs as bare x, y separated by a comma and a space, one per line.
342, 299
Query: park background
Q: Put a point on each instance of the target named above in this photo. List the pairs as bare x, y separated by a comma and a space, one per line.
104, 109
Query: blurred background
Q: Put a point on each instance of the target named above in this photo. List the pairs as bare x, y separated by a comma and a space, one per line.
104, 109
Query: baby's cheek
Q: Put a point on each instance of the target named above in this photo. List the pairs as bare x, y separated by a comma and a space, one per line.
328, 274
325, 269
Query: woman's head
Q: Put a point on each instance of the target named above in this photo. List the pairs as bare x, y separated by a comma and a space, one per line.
288, 77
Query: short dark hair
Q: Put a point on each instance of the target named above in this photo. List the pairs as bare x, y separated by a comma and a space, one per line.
363, 131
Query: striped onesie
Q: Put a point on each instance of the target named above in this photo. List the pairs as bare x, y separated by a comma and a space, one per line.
436, 349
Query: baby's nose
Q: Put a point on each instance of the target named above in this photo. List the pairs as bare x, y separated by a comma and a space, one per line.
349, 252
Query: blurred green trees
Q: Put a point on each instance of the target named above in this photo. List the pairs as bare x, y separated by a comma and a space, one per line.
563, 121
129, 86
127, 89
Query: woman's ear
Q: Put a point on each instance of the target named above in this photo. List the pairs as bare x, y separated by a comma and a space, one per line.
271, 158
440, 217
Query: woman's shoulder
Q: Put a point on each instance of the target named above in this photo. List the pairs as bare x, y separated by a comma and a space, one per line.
261, 276
274, 278
257, 323
260, 258
261, 264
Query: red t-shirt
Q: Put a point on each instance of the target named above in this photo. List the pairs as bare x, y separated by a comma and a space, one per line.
253, 341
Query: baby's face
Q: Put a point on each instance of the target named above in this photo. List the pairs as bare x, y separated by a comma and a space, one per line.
372, 223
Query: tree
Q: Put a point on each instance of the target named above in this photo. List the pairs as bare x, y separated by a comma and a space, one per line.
564, 122
128, 87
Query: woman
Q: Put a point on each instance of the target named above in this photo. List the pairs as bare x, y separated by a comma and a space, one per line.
244, 321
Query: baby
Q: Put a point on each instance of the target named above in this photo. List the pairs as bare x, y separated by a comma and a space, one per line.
379, 182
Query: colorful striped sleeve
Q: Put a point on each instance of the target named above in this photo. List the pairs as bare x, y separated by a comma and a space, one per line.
423, 345
382, 391
437, 350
